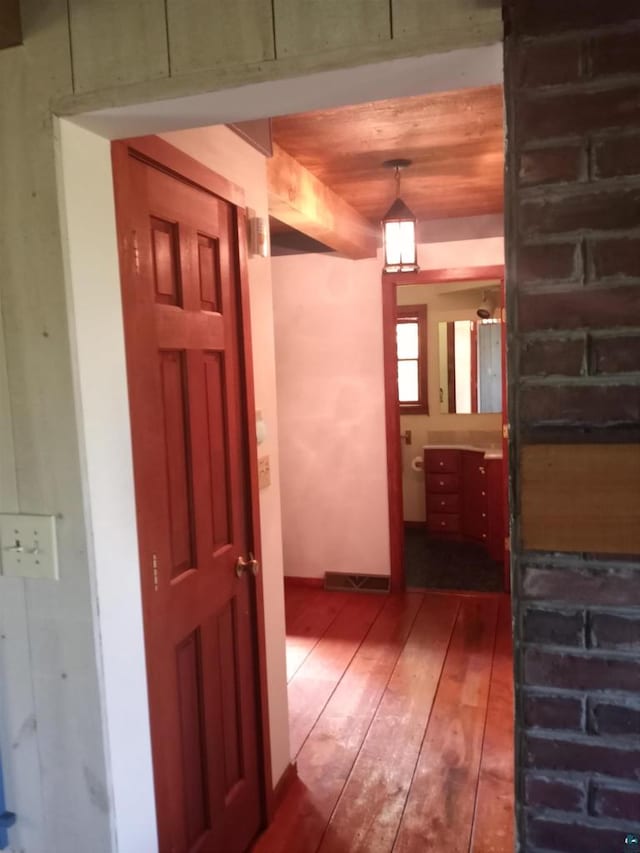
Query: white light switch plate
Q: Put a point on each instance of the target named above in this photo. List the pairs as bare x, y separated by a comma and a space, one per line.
28, 546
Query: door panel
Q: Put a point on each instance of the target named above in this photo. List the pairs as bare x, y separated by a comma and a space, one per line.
209, 271
179, 264
177, 458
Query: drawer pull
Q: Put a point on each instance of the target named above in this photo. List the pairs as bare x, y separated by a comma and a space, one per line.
442, 482
484, 514
441, 464
441, 503
484, 535
443, 524
483, 494
481, 469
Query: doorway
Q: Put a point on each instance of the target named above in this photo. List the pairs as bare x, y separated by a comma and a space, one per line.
88, 151
448, 492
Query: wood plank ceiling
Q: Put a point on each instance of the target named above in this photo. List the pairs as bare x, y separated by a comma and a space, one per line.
455, 139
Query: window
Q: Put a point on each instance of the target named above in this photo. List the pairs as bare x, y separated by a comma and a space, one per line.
411, 354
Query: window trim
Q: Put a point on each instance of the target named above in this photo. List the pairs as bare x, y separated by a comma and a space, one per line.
411, 313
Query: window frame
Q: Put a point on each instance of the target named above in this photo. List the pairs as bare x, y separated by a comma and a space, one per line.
407, 314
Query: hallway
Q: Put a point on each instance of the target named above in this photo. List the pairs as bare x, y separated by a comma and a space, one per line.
401, 722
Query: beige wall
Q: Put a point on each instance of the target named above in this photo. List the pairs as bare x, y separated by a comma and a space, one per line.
328, 327
445, 302
125, 52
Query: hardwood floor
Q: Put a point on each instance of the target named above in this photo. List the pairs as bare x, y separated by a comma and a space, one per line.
401, 716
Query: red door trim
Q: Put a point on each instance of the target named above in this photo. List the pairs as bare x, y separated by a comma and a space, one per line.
172, 161
392, 418
162, 155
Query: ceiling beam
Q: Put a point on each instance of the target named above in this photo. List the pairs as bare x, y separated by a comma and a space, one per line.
300, 200
10, 26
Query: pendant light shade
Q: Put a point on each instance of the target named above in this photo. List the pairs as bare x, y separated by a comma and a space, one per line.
399, 230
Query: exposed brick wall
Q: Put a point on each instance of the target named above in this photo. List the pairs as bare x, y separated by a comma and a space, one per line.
572, 90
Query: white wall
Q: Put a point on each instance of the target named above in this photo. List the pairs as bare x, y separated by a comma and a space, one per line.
329, 362
98, 352
328, 323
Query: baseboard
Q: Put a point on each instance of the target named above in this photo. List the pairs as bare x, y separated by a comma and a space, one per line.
315, 583
285, 782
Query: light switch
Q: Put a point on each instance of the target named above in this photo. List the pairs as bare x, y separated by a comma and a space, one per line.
28, 546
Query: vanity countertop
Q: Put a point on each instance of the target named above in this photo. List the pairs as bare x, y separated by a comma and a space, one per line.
489, 453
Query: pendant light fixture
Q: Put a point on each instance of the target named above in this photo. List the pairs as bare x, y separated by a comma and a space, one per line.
399, 229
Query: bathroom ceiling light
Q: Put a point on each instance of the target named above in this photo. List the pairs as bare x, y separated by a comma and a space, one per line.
399, 229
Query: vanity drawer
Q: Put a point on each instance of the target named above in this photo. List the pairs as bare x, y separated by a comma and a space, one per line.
443, 503
443, 523
445, 461
442, 483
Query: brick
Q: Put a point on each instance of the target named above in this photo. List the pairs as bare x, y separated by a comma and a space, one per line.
579, 672
554, 627
609, 631
576, 113
590, 209
585, 756
552, 712
552, 262
554, 794
615, 53
588, 586
616, 157
615, 802
607, 717
566, 837
615, 355
567, 405
544, 63
552, 165
615, 258
533, 17
595, 308
552, 357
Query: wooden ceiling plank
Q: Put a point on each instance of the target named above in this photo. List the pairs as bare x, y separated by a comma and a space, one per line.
10, 24
300, 200
455, 140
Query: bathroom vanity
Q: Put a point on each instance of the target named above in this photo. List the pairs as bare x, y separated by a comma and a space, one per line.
464, 495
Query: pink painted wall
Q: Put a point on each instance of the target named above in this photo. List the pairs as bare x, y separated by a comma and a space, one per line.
328, 332
330, 390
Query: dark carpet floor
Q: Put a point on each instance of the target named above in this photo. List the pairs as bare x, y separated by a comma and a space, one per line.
438, 564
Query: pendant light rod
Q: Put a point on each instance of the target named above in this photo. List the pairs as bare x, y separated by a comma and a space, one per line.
397, 165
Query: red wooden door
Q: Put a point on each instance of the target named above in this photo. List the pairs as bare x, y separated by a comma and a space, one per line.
179, 269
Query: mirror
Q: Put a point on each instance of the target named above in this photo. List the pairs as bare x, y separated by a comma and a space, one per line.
470, 366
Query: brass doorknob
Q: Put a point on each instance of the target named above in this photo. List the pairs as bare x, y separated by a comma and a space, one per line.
244, 566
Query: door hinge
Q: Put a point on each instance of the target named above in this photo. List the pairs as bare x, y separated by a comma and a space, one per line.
506, 429
136, 251
507, 543
154, 564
